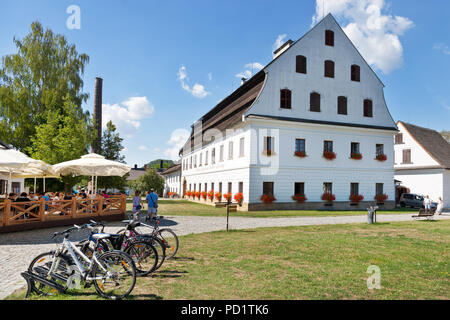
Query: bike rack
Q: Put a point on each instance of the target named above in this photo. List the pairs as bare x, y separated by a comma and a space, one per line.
31, 278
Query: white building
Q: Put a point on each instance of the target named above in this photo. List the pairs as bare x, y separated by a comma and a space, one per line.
172, 178
422, 162
17, 185
317, 94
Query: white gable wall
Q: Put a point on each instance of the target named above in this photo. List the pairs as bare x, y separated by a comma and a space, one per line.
282, 74
419, 157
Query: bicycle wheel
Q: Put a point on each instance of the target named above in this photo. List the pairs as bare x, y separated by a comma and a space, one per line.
171, 242
160, 248
144, 255
115, 277
41, 266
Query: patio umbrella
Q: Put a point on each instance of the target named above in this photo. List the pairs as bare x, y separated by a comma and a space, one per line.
43, 171
92, 165
15, 162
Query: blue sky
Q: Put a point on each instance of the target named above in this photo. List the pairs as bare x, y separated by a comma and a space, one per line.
166, 63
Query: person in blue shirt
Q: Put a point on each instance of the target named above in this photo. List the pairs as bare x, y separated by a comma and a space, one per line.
46, 198
152, 202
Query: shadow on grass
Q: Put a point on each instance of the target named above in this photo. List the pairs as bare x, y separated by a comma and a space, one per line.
182, 259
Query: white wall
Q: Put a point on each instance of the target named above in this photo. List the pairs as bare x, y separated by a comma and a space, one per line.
446, 191
173, 183
419, 157
424, 182
284, 169
21, 181
282, 74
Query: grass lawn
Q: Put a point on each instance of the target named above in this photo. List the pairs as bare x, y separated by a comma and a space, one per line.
312, 262
187, 208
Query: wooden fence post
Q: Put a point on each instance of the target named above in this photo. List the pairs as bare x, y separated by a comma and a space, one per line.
7, 212
124, 203
73, 207
42, 209
100, 205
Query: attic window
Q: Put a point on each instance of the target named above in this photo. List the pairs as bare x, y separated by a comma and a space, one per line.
314, 102
355, 73
285, 99
368, 110
329, 69
301, 64
342, 105
329, 38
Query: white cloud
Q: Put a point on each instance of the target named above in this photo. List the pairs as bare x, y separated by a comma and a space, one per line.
376, 35
251, 68
197, 90
279, 42
442, 47
156, 149
127, 117
143, 148
176, 142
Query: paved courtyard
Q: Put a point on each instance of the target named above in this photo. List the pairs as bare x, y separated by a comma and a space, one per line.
18, 249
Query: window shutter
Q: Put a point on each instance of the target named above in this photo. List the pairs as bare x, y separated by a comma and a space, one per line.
329, 69
301, 64
342, 105
314, 102
368, 111
329, 38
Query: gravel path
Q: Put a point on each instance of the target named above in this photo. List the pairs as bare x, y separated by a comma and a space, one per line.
18, 249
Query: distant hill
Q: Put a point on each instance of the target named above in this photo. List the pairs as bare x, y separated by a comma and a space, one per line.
156, 163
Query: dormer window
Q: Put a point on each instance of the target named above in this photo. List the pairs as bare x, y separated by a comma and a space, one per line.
300, 64
329, 38
285, 99
355, 73
329, 69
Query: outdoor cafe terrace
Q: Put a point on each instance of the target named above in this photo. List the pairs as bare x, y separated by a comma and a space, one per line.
18, 216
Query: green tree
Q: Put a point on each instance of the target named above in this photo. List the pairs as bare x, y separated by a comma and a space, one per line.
65, 135
111, 149
151, 179
35, 81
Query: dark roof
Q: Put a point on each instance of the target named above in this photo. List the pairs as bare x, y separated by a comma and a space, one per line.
231, 109
432, 141
172, 169
135, 173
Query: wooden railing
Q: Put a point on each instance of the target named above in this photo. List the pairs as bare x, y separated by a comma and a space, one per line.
18, 213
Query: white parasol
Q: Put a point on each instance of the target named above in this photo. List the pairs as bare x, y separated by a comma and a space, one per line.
92, 165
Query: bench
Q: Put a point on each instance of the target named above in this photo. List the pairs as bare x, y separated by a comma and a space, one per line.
429, 214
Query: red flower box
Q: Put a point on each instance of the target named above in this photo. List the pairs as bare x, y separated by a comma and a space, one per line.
228, 196
239, 197
198, 194
356, 198
204, 194
356, 156
218, 196
328, 197
300, 154
329, 155
381, 157
381, 197
188, 193
300, 198
211, 195
267, 198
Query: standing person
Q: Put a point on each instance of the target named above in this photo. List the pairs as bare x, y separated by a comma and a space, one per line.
427, 203
152, 202
137, 202
440, 206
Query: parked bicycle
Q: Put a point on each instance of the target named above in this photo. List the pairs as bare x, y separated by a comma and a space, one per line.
166, 235
141, 249
113, 273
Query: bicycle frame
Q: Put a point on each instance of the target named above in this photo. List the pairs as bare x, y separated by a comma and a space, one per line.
72, 249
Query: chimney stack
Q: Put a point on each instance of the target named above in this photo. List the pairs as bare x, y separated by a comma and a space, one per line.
98, 93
